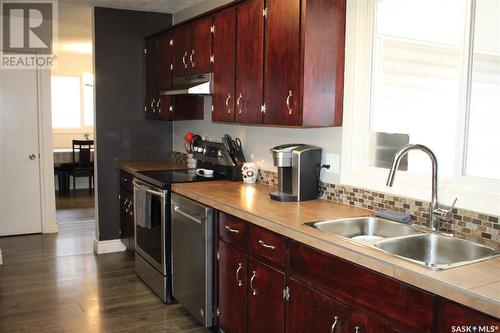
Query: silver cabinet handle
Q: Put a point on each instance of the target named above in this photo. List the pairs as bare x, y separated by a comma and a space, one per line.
357, 329
234, 231
130, 212
240, 267
238, 103
254, 291
191, 58
158, 104
335, 320
261, 242
153, 105
288, 102
184, 59
227, 103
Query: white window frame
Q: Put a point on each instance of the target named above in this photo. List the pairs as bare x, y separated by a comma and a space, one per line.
473, 193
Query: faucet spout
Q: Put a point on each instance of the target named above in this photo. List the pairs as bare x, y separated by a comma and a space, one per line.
434, 219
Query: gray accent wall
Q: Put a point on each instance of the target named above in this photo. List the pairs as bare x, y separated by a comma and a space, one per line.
122, 132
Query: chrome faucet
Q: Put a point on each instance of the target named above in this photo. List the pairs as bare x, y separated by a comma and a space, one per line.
436, 214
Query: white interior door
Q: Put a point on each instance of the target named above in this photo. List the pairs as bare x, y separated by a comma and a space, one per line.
20, 210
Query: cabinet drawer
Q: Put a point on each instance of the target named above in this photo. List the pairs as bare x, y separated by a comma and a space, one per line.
268, 245
233, 230
126, 181
392, 299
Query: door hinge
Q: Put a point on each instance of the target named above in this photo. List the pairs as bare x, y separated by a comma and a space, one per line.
263, 108
171, 42
218, 253
145, 51
286, 293
213, 111
212, 29
212, 58
265, 12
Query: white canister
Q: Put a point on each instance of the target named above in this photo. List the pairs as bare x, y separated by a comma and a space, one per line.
250, 172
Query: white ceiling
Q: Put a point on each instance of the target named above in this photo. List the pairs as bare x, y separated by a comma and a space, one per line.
164, 6
75, 18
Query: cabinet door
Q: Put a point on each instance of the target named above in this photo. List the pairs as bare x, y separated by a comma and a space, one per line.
361, 322
249, 61
232, 288
201, 46
180, 50
455, 315
281, 92
164, 75
151, 81
309, 311
266, 306
224, 40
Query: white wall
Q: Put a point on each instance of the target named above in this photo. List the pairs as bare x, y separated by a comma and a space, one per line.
197, 9
258, 140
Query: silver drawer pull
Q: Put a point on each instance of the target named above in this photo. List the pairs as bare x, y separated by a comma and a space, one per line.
238, 102
191, 58
254, 291
357, 329
261, 242
335, 320
240, 267
234, 231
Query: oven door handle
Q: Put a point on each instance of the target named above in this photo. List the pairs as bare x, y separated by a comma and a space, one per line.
140, 186
177, 209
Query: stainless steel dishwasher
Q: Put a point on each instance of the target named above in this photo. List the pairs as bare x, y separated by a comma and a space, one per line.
192, 257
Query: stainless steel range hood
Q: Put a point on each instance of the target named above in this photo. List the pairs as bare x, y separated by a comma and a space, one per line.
199, 84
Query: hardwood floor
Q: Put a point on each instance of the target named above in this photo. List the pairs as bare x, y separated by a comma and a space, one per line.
54, 283
75, 205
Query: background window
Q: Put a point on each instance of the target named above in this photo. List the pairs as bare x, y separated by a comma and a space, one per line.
65, 92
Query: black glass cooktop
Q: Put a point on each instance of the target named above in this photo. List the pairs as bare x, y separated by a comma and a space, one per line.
165, 178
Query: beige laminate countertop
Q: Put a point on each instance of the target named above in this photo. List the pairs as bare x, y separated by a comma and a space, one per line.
476, 285
135, 166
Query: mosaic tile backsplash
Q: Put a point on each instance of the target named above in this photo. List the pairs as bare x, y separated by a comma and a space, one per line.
467, 224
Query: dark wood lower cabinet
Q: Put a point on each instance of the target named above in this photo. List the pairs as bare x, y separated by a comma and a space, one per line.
127, 232
309, 311
361, 322
232, 287
318, 292
266, 305
453, 316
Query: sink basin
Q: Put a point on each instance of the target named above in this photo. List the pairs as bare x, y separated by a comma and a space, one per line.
436, 251
364, 228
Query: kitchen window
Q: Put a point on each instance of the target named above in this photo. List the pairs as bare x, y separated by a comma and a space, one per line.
424, 72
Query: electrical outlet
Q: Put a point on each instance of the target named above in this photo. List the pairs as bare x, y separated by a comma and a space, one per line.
334, 161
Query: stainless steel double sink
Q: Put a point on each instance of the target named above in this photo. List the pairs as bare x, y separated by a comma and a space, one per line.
433, 250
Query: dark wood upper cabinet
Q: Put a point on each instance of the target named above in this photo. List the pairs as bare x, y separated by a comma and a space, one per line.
249, 61
201, 46
282, 56
232, 289
223, 67
192, 44
181, 50
309, 311
165, 75
266, 306
322, 62
151, 69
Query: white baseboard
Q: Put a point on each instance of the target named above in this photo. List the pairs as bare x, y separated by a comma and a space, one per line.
108, 246
51, 228
1, 259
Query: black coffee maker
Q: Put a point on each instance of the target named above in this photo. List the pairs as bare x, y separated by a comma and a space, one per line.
298, 172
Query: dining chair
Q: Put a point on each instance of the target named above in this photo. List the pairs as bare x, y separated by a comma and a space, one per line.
83, 161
